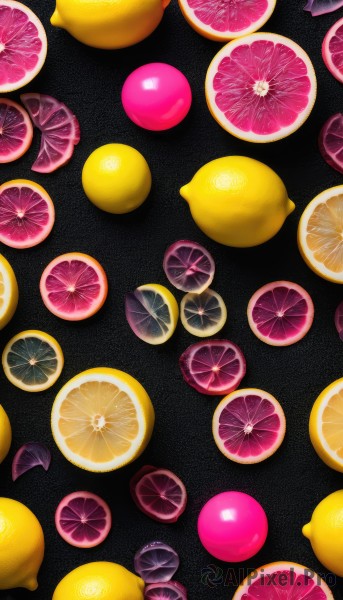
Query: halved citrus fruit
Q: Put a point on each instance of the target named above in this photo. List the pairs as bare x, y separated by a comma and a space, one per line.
189, 266
27, 213
152, 313
331, 141
203, 314
248, 425
9, 293
223, 21
23, 45
16, 131
159, 493
74, 286
156, 562
326, 425
261, 87
102, 419
320, 234
32, 360
332, 50
83, 519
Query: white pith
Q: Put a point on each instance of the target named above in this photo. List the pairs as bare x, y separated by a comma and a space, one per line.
333, 390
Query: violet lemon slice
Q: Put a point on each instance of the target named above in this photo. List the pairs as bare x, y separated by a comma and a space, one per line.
203, 314
171, 590
159, 493
156, 562
189, 266
83, 519
16, 131
331, 141
29, 456
152, 313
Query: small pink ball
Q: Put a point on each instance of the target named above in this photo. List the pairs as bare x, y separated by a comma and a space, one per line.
232, 526
156, 96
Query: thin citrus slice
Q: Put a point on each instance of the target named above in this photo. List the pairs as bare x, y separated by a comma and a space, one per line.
83, 519
9, 293
203, 314
32, 360
189, 266
16, 131
248, 425
322, 7
74, 286
280, 313
27, 213
29, 456
156, 562
59, 127
331, 141
223, 21
320, 234
339, 320
152, 313
326, 425
213, 367
170, 590
332, 50
261, 87
159, 494
102, 419
23, 45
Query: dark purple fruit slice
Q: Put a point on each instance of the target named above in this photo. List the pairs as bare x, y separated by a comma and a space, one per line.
321, 7
189, 266
83, 519
30, 455
331, 142
156, 562
172, 590
159, 494
339, 320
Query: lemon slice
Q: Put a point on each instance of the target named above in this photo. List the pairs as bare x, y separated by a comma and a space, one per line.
102, 419
5, 434
32, 360
326, 425
8, 292
203, 314
320, 234
152, 313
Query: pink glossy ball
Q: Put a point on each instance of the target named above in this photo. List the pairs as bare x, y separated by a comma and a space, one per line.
232, 526
156, 96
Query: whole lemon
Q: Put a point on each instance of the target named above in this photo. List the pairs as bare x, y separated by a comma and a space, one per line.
238, 201
100, 581
21, 546
109, 24
5, 434
116, 178
325, 532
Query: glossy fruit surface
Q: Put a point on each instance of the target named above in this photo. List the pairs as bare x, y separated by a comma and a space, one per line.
326, 425
189, 266
332, 50
83, 519
16, 131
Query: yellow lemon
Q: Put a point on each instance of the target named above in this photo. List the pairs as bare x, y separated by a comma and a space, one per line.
326, 425
109, 23
8, 292
152, 313
116, 178
21, 546
100, 581
325, 532
5, 434
238, 201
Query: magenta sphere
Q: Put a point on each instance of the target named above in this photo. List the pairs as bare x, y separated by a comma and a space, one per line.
232, 526
156, 96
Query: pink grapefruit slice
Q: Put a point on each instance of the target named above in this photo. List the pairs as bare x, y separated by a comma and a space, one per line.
74, 286
248, 426
16, 131
223, 21
261, 88
189, 266
332, 50
331, 141
27, 214
159, 494
83, 519
280, 313
23, 45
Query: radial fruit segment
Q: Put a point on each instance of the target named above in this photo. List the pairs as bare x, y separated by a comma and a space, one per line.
321, 7
203, 314
15, 131
83, 519
332, 50
9, 293
326, 425
189, 266
159, 494
29, 456
331, 141
171, 590
152, 313
156, 562
339, 320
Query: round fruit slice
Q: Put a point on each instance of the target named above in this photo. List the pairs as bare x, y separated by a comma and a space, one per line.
152, 313
332, 50
320, 234
156, 562
213, 367
59, 127
32, 360
331, 141
203, 314
339, 320
83, 519
159, 494
261, 87
171, 590
223, 21
280, 313
23, 45
74, 286
27, 214
248, 425
286, 579
9, 293
189, 266
16, 130
326, 425
102, 419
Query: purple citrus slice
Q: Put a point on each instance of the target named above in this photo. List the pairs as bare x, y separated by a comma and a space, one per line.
152, 313
322, 7
248, 425
15, 131
29, 456
159, 494
261, 88
203, 314
27, 214
223, 21
189, 266
339, 320
83, 519
59, 127
74, 286
156, 562
332, 50
280, 313
213, 367
171, 590
331, 141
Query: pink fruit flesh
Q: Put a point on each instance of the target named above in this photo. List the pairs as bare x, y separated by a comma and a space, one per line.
159, 493
229, 15
15, 130
172, 590
286, 583
29, 456
332, 50
83, 519
339, 320
321, 7
331, 141
213, 367
156, 562
189, 266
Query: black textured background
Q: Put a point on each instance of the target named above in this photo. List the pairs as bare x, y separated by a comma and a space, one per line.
131, 248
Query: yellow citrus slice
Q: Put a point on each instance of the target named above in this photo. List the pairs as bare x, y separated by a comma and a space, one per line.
102, 419
326, 425
320, 234
203, 314
5, 434
8, 292
152, 313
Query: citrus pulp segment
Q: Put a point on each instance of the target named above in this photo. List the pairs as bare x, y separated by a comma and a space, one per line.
203, 314
9, 293
248, 425
261, 87
189, 266
326, 425
331, 142
332, 50
170, 590
156, 562
321, 7
159, 493
152, 313
83, 519
339, 320
16, 131
102, 419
